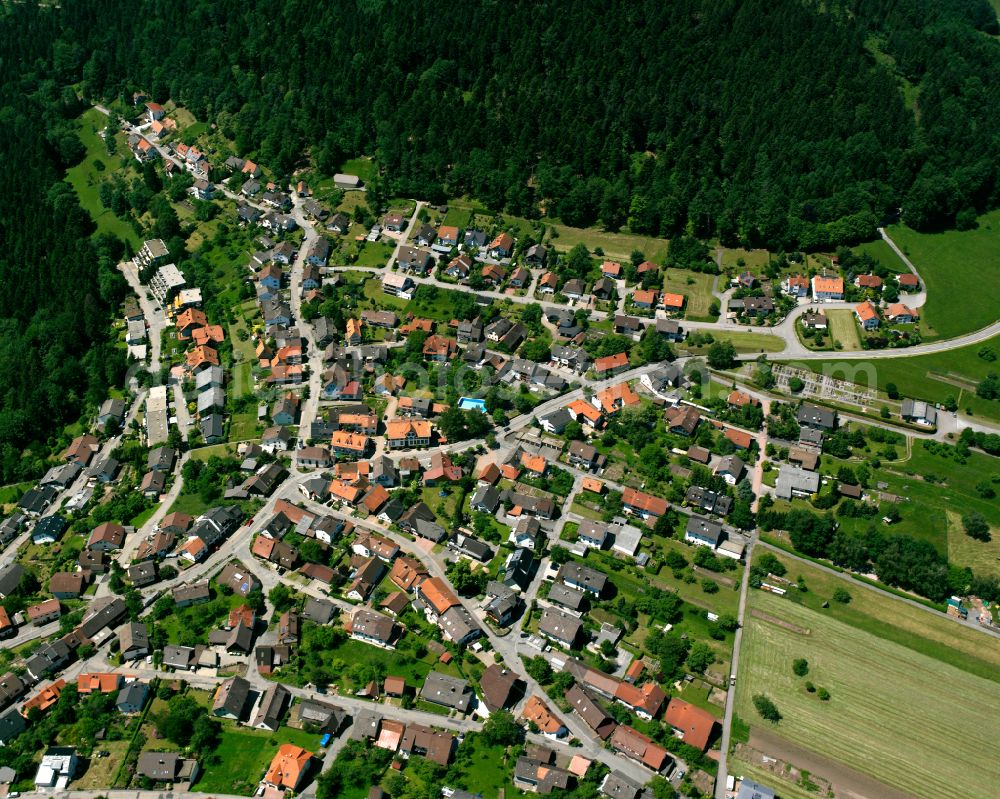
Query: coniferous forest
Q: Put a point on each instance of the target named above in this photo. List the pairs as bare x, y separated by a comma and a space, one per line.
782, 124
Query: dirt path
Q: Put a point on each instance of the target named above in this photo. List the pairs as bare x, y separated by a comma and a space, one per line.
847, 783
787, 625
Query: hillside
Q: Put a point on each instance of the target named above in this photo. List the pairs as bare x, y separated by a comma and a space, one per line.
779, 125
775, 124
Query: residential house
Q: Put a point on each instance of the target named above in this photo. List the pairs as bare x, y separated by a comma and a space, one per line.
628, 326
641, 748
827, 288
796, 286
502, 246
574, 289
690, 723
795, 482
611, 399
899, 314
582, 577
288, 768
548, 283
868, 316
411, 259
447, 691
520, 277
408, 434
816, 417
702, 531
501, 688
683, 420
731, 469
604, 288
536, 712
231, 699
642, 504
49, 530
560, 627
372, 628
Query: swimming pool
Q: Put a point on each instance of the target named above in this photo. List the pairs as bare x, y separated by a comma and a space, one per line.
471, 404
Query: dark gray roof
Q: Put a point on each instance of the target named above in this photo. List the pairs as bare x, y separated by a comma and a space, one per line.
443, 689
703, 528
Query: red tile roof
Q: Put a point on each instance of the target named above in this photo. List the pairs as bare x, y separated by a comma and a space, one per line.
694, 724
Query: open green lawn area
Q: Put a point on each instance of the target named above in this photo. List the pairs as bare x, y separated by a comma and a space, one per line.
243, 426
242, 379
363, 167
883, 253
378, 298
957, 267
436, 303
630, 583
244, 756
443, 506
932, 377
697, 290
485, 770
617, 246
746, 343
86, 177
11, 494
893, 710
697, 693
753, 260
844, 329
374, 254
460, 212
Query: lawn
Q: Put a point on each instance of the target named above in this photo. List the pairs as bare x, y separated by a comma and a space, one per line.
485, 770
435, 303
882, 253
244, 756
932, 635
86, 177
955, 267
443, 507
618, 246
745, 343
243, 426
374, 254
102, 770
931, 377
11, 494
363, 167
697, 290
754, 260
891, 711
379, 299
844, 329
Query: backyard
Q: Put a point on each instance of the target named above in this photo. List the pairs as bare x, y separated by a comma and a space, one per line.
243, 756
844, 329
697, 290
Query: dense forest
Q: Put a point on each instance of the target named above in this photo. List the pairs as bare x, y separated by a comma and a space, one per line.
779, 123
59, 286
785, 123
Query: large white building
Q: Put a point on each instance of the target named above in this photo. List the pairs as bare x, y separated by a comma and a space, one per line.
57, 768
